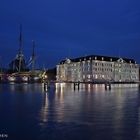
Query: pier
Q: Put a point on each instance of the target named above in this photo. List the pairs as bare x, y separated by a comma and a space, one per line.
76, 84
107, 86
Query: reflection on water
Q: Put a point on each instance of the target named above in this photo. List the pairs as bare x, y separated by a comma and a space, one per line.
44, 110
88, 113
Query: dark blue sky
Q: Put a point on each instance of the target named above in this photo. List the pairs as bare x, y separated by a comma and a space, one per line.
70, 28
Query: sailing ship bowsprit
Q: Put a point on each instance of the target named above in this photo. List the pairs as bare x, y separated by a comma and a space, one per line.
19, 69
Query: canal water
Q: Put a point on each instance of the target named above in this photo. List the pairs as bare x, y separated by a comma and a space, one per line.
27, 112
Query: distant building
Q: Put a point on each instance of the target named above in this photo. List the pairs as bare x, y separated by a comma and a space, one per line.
98, 69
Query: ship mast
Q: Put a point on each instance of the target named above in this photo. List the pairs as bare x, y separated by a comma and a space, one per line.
20, 55
33, 55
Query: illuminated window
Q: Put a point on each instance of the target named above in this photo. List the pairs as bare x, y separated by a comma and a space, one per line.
96, 76
88, 76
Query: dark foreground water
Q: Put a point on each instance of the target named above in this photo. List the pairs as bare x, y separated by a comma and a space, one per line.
29, 113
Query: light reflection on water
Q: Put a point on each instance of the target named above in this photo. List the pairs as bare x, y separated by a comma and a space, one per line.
87, 113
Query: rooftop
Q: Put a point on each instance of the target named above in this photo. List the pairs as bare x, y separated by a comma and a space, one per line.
100, 58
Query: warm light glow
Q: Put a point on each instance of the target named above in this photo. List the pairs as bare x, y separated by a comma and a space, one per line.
11, 78
25, 78
98, 69
89, 76
96, 76
89, 87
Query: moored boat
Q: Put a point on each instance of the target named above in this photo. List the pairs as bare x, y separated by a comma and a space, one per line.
21, 70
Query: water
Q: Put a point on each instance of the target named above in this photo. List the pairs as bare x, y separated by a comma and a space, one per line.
27, 112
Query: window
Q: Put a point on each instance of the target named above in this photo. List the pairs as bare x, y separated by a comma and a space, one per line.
96, 76
88, 76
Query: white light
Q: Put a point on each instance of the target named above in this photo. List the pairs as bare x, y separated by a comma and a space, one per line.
96, 76
88, 76
11, 78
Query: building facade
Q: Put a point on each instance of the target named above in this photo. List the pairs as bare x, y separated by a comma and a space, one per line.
98, 69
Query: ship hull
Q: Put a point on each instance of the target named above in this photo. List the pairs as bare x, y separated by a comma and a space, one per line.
22, 77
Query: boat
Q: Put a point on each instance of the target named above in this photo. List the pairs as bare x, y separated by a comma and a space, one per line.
34, 73
22, 71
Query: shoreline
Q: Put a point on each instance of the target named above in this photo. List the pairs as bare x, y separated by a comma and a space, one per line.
59, 82
100, 82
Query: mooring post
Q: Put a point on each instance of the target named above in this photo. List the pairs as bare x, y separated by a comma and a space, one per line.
78, 85
139, 86
107, 86
45, 86
74, 85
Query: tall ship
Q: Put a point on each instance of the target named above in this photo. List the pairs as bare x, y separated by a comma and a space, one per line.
19, 69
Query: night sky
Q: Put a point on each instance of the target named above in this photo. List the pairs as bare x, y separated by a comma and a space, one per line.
70, 28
